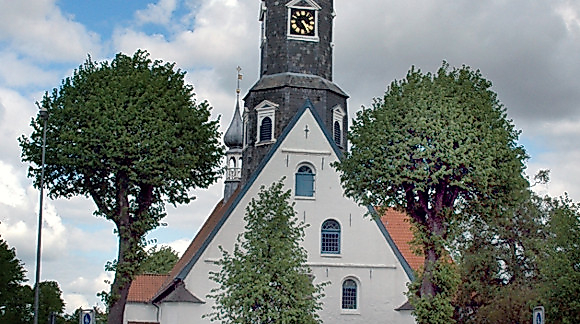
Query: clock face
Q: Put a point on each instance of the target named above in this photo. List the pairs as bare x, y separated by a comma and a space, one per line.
302, 22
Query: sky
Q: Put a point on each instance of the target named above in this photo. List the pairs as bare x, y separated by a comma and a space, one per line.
530, 50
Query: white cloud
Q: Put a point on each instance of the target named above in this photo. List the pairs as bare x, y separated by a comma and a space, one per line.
564, 173
159, 13
220, 32
11, 193
80, 288
38, 29
16, 111
570, 12
179, 245
18, 71
20, 224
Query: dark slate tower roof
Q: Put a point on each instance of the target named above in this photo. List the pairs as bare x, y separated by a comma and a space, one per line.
296, 80
234, 135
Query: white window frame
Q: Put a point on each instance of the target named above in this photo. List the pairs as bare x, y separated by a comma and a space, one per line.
310, 5
338, 116
266, 109
311, 166
358, 294
340, 237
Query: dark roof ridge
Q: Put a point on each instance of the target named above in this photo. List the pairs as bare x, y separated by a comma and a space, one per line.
296, 80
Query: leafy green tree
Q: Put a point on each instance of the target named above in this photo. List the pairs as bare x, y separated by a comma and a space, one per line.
72, 318
498, 262
434, 146
264, 279
159, 261
130, 135
560, 269
15, 297
50, 301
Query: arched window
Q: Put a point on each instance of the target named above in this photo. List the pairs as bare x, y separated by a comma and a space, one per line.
330, 237
349, 294
337, 133
337, 124
304, 181
266, 129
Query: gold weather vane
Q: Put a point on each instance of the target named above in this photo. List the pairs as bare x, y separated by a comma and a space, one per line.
239, 69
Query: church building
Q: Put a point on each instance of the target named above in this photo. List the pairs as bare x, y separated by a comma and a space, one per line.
293, 124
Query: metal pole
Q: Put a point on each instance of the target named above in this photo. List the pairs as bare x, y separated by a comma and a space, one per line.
44, 116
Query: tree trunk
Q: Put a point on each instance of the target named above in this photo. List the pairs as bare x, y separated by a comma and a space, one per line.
428, 288
122, 282
127, 259
432, 252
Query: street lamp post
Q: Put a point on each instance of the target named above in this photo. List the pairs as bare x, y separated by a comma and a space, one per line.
43, 113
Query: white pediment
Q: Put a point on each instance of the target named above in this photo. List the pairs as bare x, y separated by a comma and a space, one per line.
303, 4
266, 105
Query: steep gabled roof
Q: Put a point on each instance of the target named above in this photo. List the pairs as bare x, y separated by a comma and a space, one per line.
222, 212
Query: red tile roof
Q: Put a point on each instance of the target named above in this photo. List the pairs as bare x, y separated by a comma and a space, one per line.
399, 227
159, 285
207, 228
144, 287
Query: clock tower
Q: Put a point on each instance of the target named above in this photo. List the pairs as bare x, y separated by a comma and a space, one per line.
295, 68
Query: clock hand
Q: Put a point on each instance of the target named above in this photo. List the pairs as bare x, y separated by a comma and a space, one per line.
305, 25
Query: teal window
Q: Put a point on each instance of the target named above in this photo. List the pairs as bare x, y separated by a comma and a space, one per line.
305, 182
349, 294
330, 237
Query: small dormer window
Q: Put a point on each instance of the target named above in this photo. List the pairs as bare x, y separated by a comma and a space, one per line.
266, 121
337, 126
337, 133
266, 129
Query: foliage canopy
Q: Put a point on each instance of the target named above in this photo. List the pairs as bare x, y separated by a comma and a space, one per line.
159, 260
500, 249
130, 135
265, 279
433, 146
560, 268
16, 298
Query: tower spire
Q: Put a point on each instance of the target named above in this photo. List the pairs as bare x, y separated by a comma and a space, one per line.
234, 136
233, 139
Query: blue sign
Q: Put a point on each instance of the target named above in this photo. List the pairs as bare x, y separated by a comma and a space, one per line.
538, 317
87, 316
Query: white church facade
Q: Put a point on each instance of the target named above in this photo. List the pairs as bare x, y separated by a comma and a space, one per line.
293, 126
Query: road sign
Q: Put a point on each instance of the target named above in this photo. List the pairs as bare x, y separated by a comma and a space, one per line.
87, 316
538, 317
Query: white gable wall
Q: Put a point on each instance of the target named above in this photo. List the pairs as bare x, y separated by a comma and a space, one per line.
365, 254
